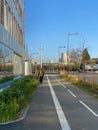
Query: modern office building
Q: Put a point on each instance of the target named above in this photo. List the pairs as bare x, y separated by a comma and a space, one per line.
12, 40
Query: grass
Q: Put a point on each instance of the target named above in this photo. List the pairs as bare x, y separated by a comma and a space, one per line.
14, 99
89, 87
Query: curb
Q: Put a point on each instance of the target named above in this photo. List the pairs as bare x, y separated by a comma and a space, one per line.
17, 120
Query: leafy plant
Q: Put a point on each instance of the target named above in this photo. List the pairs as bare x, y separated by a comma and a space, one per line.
15, 98
6, 78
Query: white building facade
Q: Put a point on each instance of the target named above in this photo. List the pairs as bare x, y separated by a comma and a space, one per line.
12, 43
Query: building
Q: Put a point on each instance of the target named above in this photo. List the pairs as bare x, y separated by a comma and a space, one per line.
12, 43
64, 58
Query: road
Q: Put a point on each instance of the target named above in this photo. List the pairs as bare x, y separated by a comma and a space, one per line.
58, 105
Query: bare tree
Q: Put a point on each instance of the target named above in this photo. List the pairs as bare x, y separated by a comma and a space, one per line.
76, 55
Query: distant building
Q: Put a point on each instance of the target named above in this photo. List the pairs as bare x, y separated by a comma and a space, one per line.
12, 43
51, 61
64, 58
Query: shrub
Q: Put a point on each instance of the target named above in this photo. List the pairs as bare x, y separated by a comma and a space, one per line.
6, 78
15, 98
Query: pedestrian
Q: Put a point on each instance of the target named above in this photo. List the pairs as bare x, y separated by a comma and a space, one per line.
41, 76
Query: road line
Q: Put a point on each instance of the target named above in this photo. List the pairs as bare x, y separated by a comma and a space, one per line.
63, 121
67, 89
72, 93
61, 83
88, 108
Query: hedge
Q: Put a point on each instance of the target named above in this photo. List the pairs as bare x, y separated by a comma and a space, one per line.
6, 78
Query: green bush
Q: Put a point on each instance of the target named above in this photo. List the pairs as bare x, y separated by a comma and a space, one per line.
6, 78
15, 98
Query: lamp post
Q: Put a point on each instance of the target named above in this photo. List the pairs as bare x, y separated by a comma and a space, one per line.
33, 61
34, 54
41, 57
68, 35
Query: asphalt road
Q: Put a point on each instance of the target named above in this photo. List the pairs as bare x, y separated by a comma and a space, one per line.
58, 105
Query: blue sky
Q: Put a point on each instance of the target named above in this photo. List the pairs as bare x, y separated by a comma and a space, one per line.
47, 23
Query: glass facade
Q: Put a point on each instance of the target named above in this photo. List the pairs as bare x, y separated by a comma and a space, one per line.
10, 22
10, 62
12, 42
17, 68
6, 60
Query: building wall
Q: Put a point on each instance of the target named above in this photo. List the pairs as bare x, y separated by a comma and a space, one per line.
6, 62
12, 19
12, 34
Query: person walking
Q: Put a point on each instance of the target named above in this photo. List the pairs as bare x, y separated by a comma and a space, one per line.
41, 76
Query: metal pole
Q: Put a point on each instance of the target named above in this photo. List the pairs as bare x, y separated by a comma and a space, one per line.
83, 63
41, 57
68, 52
59, 54
59, 60
69, 34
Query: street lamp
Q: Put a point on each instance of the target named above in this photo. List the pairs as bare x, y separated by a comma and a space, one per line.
41, 57
33, 56
68, 35
34, 63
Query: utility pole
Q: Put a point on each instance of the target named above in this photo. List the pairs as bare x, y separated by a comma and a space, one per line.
68, 60
83, 61
41, 57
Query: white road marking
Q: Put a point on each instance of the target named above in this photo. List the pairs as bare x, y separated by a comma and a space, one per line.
88, 108
94, 113
61, 83
60, 113
67, 89
72, 93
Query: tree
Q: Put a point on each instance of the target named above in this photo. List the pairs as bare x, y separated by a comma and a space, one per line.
76, 55
85, 55
75, 58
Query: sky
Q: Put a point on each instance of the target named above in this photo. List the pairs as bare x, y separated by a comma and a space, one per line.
48, 22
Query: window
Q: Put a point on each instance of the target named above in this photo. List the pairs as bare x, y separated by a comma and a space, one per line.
2, 12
